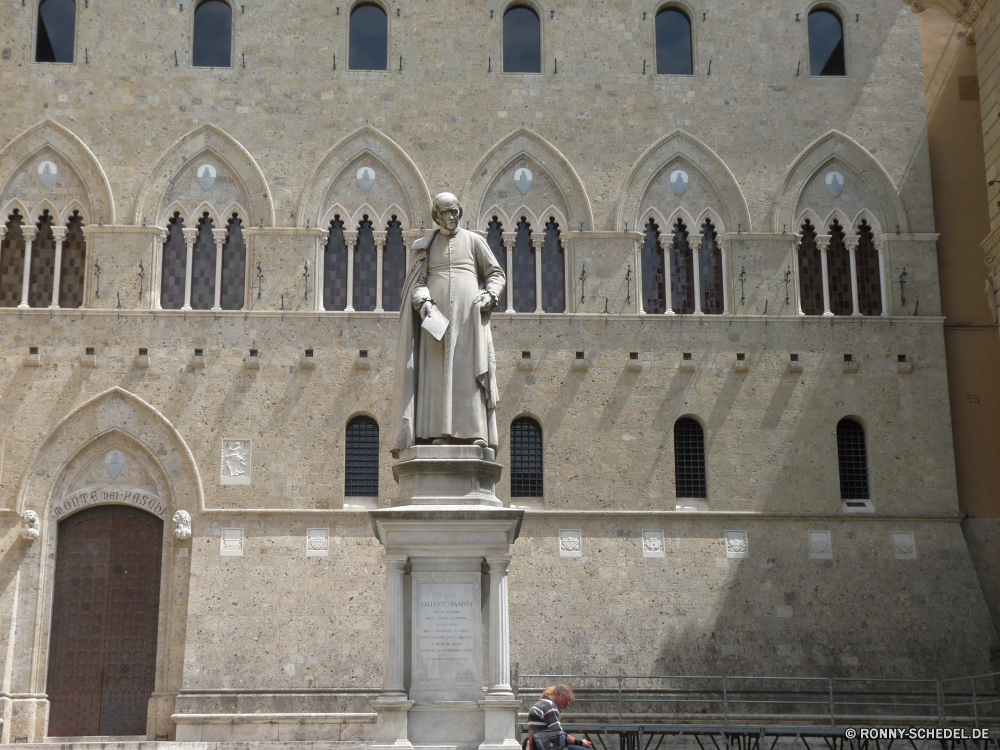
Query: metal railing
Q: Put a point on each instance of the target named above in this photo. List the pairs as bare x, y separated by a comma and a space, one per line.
830, 701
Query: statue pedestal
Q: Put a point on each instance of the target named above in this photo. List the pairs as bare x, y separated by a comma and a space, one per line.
447, 547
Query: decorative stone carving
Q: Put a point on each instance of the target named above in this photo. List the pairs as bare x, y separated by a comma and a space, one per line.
182, 529
570, 543
317, 542
820, 547
652, 543
523, 179
32, 528
366, 178
903, 545
231, 543
235, 462
679, 181
206, 176
835, 183
47, 173
114, 462
737, 546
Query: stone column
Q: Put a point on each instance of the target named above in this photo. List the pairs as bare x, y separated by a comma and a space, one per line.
322, 240
392, 686
59, 234
156, 272
350, 242
219, 235
499, 630
824, 241
29, 234
883, 289
380, 240
537, 243
696, 260
795, 275
509, 240
668, 292
190, 237
852, 244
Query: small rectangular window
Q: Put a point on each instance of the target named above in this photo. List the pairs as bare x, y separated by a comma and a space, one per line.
741, 356
143, 351
633, 355
687, 356
199, 352
901, 358
363, 353
90, 351
253, 352
794, 357
525, 355
32, 350
579, 355
848, 357
309, 352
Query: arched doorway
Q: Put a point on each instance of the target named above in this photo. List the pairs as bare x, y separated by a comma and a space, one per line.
105, 613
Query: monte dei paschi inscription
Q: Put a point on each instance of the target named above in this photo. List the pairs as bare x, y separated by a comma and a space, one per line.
101, 495
447, 631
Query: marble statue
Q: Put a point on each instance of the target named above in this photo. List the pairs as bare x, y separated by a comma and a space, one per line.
446, 390
32, 528
182, 527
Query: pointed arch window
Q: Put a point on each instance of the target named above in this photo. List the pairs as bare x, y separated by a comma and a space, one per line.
213, 35
172, 279
524, 268
522, 41
394, 268
852, 457
361, 458
689, 460
838, 261
203, 266
335, 268
869, 279
365, 267
55, 34
494, 238
553, 270
369, 38
826, 44
654, 292
673, 42
526, 458
12, 261
43, 263
74, 260
710, 272
682, 271
810, 272
234, 266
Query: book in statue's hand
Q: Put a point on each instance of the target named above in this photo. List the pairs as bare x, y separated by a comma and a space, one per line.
435, 323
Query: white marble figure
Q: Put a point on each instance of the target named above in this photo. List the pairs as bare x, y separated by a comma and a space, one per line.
182, 530
235, 457
32, 528
446, 388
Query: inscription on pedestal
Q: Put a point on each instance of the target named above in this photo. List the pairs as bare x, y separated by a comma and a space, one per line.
447, 630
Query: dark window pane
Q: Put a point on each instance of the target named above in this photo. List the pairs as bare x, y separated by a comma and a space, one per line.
524, 269
673, 43
869, 283
56, 31
494, 238
826, 44
369, 38
361, 463
174, 266
710, 262
853, 459
682, 272
689, 459
393, 266
838, 263
203, 267
365, 267
522, 41
12, 262
553, 270
234, 267
335, 268
654, 288
525, 458
213, 35
74, 259
43, 264
810, 272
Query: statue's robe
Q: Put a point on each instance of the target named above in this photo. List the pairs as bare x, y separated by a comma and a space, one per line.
447, 388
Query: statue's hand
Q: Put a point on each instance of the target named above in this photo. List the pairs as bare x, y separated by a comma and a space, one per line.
486, 301
425, 309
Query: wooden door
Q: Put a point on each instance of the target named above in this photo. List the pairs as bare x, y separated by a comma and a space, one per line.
105, 613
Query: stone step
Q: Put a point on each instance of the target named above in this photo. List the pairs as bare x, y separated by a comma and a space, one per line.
140, 743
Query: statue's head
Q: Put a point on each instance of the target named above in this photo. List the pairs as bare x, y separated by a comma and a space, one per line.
446, 211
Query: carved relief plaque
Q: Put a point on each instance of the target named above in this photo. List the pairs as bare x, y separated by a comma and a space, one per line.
570, 543
737, 546
652, 543
317, 542
231, 543
235, 462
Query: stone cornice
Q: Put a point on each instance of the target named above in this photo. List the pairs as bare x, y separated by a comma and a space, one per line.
966, 12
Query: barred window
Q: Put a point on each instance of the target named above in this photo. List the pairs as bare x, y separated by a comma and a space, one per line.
682, 271
852, 456
361, 463
810, 272
689, 459
525, 458
213, 35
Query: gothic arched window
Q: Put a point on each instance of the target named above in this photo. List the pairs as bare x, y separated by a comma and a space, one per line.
56, 32
810, 272
74, 260
852, 456
365, 267
234, 267
654, 292
710, 260
361, 458
213, 35
869, 280
494, 238
838, 262
523, 269
335, 268
526, 458
12, 262
826, 44
172, 278
553, 270
522, 41
43, 263
673, 42
369, 35
203, 266
689, 459
682, 271
393, 266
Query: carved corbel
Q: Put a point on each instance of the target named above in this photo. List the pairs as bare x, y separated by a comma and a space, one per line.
32, 528
182, 527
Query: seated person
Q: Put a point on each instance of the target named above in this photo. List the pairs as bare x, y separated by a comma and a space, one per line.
544, 727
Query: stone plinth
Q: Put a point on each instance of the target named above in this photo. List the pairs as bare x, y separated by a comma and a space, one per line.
444, 531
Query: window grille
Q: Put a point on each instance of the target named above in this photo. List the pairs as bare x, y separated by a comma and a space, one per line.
234, 267
523, 269
525, 458
689, 459
55, 37
838, 261
203, 266
710, 262
522, 41
74, 261
869, 283
494, 238
810, 272
553, 270
654, 292
673, 43
369, 33
43, 264
12, 262
393, 266
852, 456
682, 272
361, 462
826, 44
174, 266
365, 267
213, 35
335, 268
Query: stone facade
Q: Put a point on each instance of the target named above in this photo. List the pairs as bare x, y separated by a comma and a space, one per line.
250, 622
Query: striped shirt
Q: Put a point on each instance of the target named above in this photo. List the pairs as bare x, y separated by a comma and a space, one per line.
543, 719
